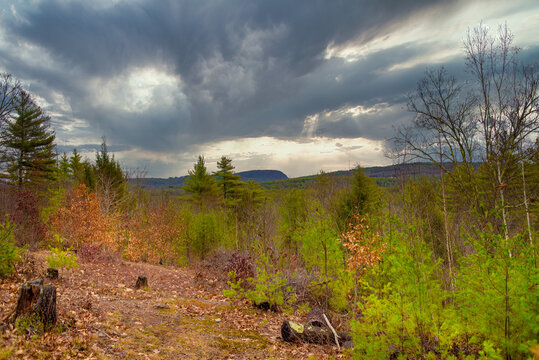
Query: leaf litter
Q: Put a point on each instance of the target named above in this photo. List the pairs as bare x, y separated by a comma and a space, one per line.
102, 316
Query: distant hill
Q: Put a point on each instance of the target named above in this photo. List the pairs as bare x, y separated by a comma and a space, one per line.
383, 175
159, 183
275, 179
259, 176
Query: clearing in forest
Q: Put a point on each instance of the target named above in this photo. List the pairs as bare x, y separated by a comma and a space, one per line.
181, 315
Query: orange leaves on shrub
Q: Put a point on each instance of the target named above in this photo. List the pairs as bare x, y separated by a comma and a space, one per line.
153, 235
365, 247
80, 220
149, 234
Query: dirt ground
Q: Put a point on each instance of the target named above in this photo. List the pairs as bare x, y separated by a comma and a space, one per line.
181, 315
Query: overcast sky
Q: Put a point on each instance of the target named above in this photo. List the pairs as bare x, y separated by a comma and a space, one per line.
300, 86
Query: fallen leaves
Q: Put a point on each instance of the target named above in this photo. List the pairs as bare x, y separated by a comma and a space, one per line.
104, 318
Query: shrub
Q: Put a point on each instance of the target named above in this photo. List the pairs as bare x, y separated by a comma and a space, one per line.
9, 253
80, 220
30, 228
269, 287
236, 288
203, 233
498, 296
241, 264
153, 235
268, 290
402, 306
60, 258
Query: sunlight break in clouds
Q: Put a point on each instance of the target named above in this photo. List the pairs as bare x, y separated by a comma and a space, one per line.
296, 157
138, 89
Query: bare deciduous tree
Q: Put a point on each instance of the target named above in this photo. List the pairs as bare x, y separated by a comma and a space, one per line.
493, 118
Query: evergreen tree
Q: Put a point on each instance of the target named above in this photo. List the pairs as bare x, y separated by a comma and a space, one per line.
64, 170
109, 176
107, 169
76, 167
363, 198
200, 183
29, 144
227, 180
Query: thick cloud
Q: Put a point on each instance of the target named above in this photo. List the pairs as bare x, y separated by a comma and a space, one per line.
166, 76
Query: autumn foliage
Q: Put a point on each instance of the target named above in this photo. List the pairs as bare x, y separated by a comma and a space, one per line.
152, 235
365, 247
79, 220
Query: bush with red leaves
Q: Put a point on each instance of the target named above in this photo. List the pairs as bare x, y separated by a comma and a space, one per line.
241, 264
30, 229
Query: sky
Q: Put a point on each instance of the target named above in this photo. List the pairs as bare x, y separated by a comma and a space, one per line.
299, 86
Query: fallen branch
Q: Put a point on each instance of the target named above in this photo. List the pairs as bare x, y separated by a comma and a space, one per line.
333, 330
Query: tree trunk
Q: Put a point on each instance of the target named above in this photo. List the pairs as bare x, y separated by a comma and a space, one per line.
52, 273
46, 306
500, 188
27, 297
292, 331
526, 206
142, 282
446, 220
34, 298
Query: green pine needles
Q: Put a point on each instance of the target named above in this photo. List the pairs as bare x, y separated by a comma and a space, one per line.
29, 144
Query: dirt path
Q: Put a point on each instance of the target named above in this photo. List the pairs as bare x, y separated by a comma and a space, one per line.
177, 317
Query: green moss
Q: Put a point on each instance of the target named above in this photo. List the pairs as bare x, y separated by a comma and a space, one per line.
31, 321
239, 344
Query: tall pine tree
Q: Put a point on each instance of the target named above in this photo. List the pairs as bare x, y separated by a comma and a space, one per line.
200, 183
227, 180
29, 144
110, 179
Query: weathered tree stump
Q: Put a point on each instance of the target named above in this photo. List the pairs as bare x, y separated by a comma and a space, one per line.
292, 331
34, 298
265, 305
27, 297
52, 273
46, 306
315, 317
142, 282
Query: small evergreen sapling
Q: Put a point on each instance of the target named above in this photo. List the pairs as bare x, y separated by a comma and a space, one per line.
9, 253
60, 258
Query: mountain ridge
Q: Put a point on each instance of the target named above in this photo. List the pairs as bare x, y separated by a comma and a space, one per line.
271, 178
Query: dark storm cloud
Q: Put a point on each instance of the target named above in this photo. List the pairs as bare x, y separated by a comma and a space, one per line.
246, 68
86, 148
163, 76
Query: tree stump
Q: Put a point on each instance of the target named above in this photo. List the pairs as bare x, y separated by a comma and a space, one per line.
52, 273
27, 297
292, 331
46, 306
315, 317
142, 282
34, 298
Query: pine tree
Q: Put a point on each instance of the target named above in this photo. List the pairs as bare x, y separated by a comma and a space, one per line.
29, 144
64, 170
76, 167
110, 178
227, 180
200, 183
363, 198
